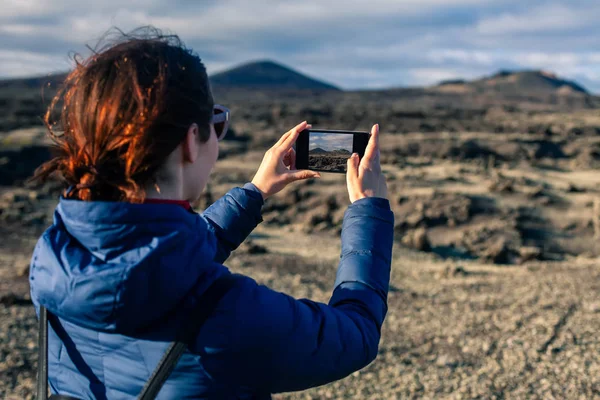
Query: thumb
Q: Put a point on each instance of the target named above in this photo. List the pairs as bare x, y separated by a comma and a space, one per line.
352, 166
352, 173
301, 174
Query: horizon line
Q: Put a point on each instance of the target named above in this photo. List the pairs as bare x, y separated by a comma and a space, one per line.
340, 87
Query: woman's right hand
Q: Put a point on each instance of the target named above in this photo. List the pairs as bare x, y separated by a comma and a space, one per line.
278, 167
364, 177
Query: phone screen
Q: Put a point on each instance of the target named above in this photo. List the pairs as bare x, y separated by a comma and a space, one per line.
328, 151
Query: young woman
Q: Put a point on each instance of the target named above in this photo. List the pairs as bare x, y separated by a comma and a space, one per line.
126, 258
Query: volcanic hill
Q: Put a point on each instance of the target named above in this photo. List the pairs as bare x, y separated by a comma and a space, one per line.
267, 74
515, 82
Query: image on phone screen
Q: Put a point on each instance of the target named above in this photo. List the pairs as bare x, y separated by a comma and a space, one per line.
329, 151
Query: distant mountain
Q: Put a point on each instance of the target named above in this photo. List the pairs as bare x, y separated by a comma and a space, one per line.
515, 82
267, 75
260, 75
270, 75
319, 150
340, 151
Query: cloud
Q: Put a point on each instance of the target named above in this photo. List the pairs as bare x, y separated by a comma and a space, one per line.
30, 63
546, 18
330, 141
351, 44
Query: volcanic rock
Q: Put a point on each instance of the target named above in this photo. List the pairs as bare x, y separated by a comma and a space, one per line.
417, 239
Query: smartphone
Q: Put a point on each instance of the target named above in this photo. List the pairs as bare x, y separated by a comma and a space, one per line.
327, 150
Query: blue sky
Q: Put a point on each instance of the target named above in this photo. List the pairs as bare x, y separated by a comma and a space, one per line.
329, 141
353, 44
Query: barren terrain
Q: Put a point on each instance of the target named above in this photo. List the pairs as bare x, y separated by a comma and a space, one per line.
496, 270
327, 162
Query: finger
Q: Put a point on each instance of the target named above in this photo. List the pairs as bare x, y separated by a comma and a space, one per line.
286, 159
373, 145
289, 159
301, 174
300, 127
292, 137
292, 158
352, 169
352, 173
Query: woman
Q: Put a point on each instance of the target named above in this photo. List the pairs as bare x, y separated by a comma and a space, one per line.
126, 258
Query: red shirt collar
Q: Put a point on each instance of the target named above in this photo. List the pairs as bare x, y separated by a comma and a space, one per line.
183, 203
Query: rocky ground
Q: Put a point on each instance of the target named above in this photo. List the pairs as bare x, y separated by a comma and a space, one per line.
496, 264
327, 163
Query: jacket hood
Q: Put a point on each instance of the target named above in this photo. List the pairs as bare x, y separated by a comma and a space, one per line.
116, 266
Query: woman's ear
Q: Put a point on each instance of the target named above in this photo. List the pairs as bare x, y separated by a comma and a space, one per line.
191, 144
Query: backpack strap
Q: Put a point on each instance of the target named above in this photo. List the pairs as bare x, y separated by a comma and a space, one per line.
207, 303
42, 378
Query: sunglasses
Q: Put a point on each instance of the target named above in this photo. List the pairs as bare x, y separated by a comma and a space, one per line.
220, 120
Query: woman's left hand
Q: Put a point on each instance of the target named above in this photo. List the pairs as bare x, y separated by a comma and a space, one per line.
278, 167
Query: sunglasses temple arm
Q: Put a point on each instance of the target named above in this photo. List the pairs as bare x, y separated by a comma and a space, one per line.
218, 118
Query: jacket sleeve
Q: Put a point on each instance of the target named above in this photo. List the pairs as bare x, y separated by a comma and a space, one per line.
271, 342
233, 217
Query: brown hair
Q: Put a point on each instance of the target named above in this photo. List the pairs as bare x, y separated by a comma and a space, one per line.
124, 110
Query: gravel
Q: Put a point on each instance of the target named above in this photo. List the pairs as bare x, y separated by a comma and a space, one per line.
524, 332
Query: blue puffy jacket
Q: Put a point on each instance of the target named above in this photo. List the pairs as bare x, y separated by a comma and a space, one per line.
122, 279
